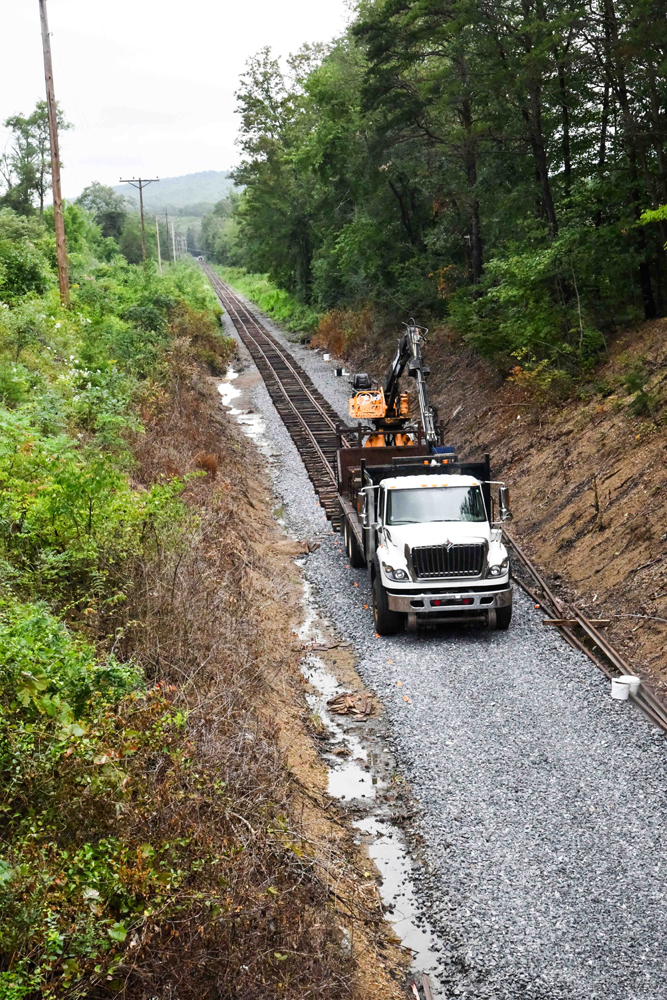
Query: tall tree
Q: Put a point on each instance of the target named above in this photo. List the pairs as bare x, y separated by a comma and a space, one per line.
26, 166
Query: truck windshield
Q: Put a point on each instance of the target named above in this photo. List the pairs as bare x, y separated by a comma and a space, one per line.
451, 503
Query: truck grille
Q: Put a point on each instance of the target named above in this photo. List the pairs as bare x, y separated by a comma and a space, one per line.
448, 560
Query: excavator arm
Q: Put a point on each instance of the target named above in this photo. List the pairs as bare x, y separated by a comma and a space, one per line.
408, 355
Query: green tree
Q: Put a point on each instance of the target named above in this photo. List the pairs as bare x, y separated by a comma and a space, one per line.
26, 167
109, 209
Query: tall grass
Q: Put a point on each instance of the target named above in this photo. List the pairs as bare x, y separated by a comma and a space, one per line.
275, 302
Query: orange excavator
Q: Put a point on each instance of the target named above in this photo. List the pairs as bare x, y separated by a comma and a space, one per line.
387, 409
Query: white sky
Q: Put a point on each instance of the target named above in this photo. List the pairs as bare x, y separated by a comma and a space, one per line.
148, 85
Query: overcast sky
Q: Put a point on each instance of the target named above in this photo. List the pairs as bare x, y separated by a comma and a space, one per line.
148, 85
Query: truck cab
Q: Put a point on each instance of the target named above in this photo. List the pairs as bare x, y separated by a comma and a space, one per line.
425, 527
437, 556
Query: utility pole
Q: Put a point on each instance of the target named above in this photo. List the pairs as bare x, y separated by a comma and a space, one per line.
173, 239
166, 219
141, 183
58, 218
157, 236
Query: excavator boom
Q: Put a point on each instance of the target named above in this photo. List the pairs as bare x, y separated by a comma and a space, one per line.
409, 354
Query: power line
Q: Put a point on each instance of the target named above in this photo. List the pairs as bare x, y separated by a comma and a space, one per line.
140, 183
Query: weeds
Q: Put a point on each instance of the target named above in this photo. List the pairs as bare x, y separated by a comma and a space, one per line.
275, 302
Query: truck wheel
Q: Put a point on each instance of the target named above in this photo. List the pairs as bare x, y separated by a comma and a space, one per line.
387, 622
355, 554
503, 617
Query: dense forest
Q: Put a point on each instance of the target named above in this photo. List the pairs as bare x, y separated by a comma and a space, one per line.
500, 164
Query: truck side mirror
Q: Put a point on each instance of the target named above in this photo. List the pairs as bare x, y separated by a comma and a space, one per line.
367, 505
504, 503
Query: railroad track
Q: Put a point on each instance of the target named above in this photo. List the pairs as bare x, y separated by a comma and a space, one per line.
310, 419
314, 427
584, 635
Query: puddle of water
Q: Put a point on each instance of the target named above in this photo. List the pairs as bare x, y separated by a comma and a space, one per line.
352, 778
309, 630
391, 858
252, 424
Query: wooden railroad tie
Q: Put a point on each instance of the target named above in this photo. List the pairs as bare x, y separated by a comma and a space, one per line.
575, 621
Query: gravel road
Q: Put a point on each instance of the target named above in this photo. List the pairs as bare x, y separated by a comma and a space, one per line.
542, 802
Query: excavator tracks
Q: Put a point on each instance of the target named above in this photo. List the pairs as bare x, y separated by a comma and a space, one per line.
310, 419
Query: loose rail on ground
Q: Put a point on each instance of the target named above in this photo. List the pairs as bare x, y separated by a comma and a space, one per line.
596, 647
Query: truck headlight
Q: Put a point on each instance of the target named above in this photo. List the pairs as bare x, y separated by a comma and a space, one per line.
395, 574
500, 568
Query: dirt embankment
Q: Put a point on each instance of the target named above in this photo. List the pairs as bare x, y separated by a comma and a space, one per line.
276, 900
588, 474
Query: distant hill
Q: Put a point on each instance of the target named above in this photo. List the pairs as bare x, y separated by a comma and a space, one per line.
195, 192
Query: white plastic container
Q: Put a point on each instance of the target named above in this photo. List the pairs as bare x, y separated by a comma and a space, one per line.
632, 682
619, 689
625, 685
327, 357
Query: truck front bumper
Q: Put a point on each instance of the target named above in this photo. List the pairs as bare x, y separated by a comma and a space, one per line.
460, 605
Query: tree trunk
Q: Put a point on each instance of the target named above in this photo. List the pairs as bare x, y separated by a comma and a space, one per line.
533, 119
565, 113
470, 169
633, 151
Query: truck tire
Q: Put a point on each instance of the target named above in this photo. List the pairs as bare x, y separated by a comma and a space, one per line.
387, 622
503, 617
355, 554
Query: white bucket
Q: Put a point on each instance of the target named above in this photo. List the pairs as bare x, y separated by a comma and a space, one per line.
632, 682
619, 689
327, 357
625, 685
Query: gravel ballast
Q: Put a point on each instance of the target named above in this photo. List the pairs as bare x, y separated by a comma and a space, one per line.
541, 802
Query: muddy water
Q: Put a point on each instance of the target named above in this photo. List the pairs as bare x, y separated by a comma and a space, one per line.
355, 772
251, 423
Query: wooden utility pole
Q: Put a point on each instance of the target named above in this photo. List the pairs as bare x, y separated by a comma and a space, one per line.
173, 240
58, 218
166, 217
157, 236
141, 183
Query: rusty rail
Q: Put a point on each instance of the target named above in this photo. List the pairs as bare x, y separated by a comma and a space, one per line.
598, 648
311, 421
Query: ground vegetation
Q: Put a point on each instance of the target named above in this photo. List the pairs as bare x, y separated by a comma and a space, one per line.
152, 837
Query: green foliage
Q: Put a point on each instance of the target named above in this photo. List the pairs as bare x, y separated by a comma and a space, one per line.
654, 215
219, 233
26, 257
78, 729
273, 301
25, 167
109, 209
459, 163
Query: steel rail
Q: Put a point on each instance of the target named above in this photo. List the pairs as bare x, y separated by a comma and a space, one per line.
327, 465
240, 306
652, 706
290, 399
